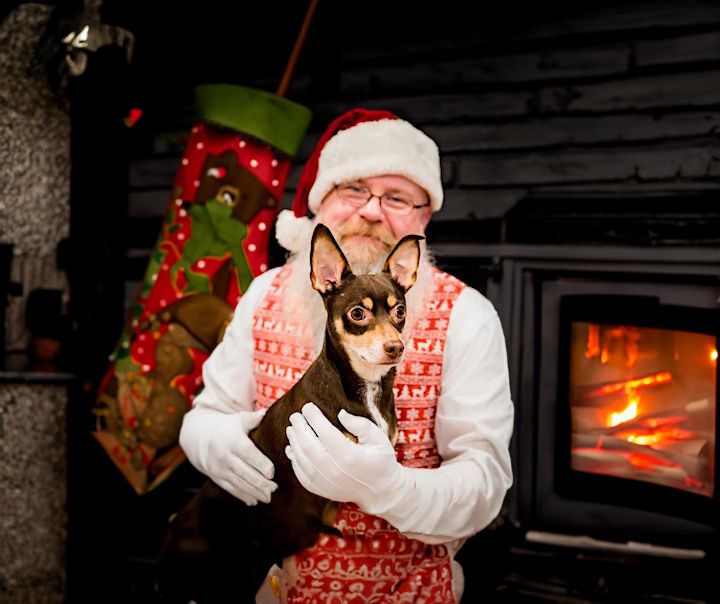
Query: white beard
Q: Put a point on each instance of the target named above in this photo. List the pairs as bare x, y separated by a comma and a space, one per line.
300, 294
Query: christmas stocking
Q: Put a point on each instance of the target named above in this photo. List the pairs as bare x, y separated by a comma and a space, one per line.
214, 241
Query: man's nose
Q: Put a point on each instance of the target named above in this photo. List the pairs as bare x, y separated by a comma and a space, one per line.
372, 211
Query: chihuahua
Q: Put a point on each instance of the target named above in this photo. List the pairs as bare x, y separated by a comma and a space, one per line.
217, 549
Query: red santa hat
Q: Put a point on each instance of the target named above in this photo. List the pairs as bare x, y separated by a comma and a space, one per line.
361, 143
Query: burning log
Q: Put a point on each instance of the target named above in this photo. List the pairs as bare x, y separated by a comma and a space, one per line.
618, 457
594, 392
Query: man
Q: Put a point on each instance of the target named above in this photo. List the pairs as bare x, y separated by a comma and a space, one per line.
372, 179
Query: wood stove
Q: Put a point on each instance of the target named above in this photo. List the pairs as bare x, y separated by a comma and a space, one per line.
613, 355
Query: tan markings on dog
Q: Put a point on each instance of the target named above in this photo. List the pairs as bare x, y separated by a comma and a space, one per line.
330, 513
392, 300
367, 303
370, 337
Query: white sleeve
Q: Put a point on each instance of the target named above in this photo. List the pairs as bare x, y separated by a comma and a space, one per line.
229, 385
473, 427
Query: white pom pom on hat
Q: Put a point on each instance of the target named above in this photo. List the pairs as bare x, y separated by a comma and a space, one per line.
361, 143
293, 232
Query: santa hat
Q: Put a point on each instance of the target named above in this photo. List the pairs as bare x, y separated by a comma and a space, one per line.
361, 143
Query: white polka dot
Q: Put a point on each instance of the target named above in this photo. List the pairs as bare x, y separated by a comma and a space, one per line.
252, 247
201, 264
165, 267
275, 182
253, 163
142, 336
185, 161
242, 144
274, 163
178, 202
141, 350
196, 183
262, 226
146, 367
199, 146
263, 268
181, 236
182, 213
163, 303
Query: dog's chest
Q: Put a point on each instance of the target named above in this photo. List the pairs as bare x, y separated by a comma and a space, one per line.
372, 397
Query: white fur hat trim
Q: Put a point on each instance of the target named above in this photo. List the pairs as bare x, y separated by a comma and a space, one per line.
379, 148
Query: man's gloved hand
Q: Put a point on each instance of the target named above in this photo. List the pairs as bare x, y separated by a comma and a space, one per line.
233, 461
328, 464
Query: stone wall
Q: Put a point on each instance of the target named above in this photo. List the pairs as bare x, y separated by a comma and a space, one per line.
34, 164
33, 493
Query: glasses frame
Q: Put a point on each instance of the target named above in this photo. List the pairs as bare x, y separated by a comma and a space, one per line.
410, 207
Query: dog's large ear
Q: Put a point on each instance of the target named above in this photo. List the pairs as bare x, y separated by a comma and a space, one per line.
403, 261
328, 265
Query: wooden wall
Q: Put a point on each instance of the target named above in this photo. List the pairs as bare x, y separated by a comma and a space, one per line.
621, 101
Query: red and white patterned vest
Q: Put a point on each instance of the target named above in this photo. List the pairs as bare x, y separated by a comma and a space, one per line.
372, 562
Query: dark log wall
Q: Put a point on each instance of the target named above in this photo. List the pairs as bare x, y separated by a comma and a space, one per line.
620, 102
623, 100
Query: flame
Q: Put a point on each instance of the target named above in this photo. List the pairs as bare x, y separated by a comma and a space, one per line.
593, 341
650, 437
713, 355
629, 412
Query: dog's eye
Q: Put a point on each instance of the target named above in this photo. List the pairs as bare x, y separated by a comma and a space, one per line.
357, 313
399, 311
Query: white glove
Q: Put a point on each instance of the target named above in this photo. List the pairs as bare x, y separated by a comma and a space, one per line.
228, 456
330, 465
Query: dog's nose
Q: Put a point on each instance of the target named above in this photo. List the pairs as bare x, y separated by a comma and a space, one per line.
394, 348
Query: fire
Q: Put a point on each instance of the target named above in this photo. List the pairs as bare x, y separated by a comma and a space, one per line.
713, 355
630, 412
658, 436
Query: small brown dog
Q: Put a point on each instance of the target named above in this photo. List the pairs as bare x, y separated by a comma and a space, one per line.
220, 550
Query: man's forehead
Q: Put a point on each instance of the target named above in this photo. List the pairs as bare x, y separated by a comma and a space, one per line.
395, 181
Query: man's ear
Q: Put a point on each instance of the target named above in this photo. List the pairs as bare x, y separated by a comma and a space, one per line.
328, 265
403, 261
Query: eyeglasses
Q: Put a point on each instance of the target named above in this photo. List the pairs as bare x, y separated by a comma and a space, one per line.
358, 195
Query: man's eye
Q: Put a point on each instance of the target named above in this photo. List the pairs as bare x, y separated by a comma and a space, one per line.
399, 311
355, 189
397, 201
357, 313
